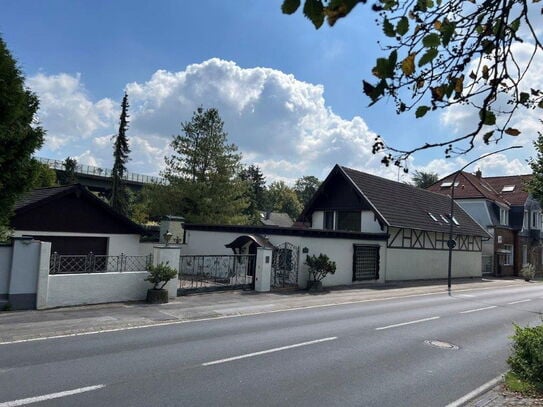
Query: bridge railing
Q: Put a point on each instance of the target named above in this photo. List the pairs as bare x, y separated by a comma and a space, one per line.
101, 172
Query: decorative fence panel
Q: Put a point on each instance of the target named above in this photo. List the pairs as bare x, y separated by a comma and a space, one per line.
216, 272
285, 259
91, 263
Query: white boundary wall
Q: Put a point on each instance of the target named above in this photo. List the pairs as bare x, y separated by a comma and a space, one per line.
406, 264
95, 288
201, 242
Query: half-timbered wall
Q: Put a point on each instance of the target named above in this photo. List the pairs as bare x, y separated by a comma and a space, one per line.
422, 239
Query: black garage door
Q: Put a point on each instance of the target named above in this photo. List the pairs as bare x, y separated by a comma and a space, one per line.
75, 245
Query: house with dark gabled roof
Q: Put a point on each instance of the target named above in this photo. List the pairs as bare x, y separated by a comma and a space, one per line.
76, 222
503, 206
375, 229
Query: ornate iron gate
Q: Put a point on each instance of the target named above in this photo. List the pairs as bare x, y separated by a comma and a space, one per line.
216, 272
285, 259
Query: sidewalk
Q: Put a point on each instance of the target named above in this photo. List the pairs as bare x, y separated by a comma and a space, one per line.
30, 325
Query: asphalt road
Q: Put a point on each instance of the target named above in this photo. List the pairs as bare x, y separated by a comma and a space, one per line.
365, 354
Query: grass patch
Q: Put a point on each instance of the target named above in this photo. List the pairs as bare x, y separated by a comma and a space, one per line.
514, 384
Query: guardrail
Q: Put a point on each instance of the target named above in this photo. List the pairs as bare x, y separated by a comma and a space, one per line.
101, 172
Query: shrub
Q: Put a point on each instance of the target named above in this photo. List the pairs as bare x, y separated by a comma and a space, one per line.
320, 266
528, 271
526, 360
161, 273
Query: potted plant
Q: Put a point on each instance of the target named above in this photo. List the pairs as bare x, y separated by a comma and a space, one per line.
159, 276
319, 267
528, 272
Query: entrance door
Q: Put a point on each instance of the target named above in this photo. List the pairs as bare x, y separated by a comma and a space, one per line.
365, 262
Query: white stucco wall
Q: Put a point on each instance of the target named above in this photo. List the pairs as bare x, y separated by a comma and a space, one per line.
146, 248
370, 223
117, 243
5, 269
77, 289
339, 250
317, 222
407, 264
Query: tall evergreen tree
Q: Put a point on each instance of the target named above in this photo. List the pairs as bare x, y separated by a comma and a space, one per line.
119, 195
20, 135
256, 184
204, 172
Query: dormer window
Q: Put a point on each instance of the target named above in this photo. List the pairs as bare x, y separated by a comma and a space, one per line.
504, 216
455, 221
508, 188
432, 216
448, 184
444, 219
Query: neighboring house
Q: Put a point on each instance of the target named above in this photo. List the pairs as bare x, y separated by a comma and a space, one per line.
275, 219
508, 212
76, 222
374, 229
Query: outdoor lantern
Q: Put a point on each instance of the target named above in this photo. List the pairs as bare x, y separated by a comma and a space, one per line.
167, 237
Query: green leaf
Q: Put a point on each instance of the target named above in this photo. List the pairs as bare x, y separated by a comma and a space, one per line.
447, 31
421, 111
515, 25
428, 56
392, 59
431, 40
383, 69
488, 136
540, 105
290, 6
403, 26
388, 28
488, 118
313, 9
524, 97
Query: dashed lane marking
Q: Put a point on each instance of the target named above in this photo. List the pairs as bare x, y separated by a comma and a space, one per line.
51, 396
406, 323
469, 311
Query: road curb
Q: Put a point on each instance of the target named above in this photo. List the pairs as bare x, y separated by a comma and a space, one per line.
479, 391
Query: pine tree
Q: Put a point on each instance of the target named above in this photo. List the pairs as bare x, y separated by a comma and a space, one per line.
121, 149
20, 135
256, 190
204, 172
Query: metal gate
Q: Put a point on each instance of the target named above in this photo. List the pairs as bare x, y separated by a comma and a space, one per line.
216, 272
285, 259
365, 263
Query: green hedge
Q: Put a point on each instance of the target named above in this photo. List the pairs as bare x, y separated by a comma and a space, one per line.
526, 360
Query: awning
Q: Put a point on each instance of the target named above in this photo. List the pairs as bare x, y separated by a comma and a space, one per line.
241, 241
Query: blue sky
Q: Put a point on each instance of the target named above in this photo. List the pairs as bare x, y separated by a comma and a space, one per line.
290, 96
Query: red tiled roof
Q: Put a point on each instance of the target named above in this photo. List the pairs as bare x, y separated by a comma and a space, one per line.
472, 187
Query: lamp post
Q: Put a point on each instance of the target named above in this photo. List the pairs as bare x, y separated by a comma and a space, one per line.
451, 243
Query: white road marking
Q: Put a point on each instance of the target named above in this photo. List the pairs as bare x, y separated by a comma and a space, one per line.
518, 302
263, 352
406, 323
51, 396
466, 295
477, 392
44, 338
478, 309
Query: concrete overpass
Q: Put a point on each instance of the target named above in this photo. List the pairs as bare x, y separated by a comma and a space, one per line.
99, 179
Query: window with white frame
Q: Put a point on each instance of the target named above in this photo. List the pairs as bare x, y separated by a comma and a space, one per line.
525, 220
536, 220
504, 216
508, 255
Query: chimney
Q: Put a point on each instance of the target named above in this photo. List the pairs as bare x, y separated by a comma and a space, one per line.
478, 173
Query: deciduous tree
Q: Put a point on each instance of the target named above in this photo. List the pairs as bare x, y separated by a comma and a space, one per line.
424, 179
305, 187
439, 54
282, 198
20, 134
69, 176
